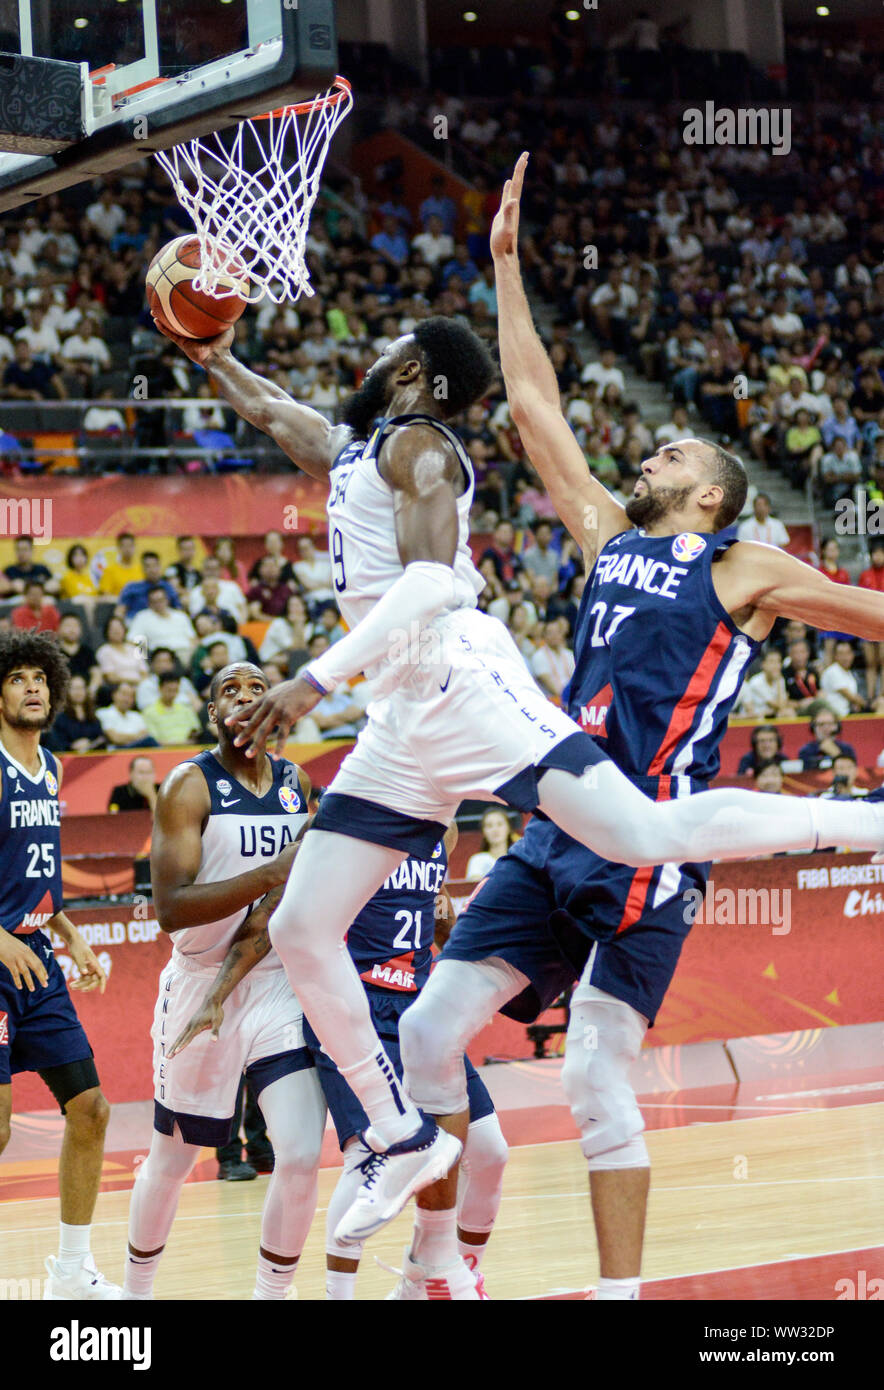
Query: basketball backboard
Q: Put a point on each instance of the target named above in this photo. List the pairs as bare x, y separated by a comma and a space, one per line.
157, 72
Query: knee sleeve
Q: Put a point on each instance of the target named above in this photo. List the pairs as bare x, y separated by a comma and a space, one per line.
459, 999
604, 1039
480, 1184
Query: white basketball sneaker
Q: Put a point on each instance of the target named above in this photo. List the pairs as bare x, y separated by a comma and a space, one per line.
391, 1177
87, 1283
454, 1282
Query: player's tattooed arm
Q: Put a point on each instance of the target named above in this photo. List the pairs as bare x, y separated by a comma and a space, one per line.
181, 811
247, 949
250, 945
302, 433
589, 512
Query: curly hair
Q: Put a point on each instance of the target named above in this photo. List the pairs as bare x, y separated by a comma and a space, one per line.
455, 357
41, 650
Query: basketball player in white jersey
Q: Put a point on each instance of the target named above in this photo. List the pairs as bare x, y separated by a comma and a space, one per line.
224, 838
456, 714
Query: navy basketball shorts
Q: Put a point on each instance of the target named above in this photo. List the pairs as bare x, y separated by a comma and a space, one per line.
549, 901
387, 1007
39, 1030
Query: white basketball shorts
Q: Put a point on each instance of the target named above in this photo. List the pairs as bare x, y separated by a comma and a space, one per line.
262, 1035
466, 721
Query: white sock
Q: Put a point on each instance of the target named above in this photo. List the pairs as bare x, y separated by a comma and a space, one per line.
273, 1280
435, 1238
340, 1285
393, 1117
73, 1247
472, 1254
623, 1290
140, 1274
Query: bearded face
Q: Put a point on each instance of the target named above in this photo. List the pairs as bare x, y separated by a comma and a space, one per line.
651, 506
362, 408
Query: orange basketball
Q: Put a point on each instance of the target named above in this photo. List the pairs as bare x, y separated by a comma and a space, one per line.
187, 311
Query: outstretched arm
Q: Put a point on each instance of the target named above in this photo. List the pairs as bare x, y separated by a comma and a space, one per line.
308, 439
586, 507
764, 579
424, 474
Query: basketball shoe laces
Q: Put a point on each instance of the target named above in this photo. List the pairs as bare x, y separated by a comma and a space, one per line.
371, 1168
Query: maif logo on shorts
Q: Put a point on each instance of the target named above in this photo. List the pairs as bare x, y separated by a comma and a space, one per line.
4, 1030
688, 546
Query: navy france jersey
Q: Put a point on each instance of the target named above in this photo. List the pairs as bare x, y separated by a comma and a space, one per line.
658, 659
391, 939
30, 844
242, 831
658, 666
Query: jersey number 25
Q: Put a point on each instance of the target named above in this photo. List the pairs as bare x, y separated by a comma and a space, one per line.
41, 861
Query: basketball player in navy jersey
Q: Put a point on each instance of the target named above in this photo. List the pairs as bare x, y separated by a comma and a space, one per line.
391, 946
668, 624
225, 836
39, 1028
455, 714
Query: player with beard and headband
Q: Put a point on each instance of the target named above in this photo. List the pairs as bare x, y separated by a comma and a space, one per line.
455, 714
225, 835
39, 1028
669, 622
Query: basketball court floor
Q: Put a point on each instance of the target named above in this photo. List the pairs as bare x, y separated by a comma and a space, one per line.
768, 1191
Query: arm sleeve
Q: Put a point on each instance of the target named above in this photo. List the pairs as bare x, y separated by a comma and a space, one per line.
423, 590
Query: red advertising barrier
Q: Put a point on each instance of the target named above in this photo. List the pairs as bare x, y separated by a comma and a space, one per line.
132, 949
782, 944
787, 943
232, 504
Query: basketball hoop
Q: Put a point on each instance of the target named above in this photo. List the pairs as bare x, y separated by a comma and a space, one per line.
255, 198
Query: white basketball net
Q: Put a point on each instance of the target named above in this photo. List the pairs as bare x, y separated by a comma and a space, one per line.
251, 203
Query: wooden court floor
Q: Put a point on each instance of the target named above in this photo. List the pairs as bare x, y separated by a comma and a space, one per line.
723, 1196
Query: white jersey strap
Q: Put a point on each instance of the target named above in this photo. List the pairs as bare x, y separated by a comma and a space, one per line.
398, 421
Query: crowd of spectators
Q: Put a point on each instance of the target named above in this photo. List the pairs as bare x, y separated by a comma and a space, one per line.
143, 642
749, 285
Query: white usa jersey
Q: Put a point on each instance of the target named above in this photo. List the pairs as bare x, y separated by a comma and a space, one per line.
242, 832
362, 530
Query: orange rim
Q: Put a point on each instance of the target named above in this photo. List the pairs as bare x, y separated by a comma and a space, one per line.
302, 108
